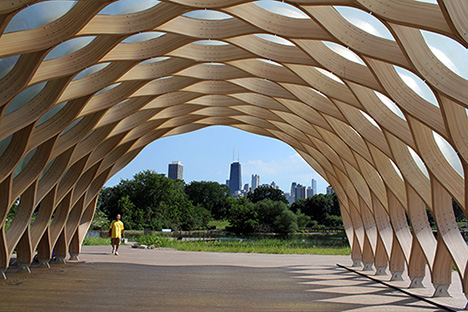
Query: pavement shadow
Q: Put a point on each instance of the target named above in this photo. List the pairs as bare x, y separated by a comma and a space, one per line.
338, 285
109, 286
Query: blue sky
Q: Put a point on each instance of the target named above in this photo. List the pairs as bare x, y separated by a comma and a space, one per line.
207, 154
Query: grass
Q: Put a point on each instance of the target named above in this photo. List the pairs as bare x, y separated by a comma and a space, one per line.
217, 246
265, 245
271, 246
96, 241
220, 225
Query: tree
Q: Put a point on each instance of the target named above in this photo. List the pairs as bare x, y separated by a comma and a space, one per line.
261, 193
275, 216
108, 198
100, 221
150, 200
131, 217
335, 204
333, 221
243, 217
285, 222
265, 216
211, 196
12, 213
319, 208
304, 220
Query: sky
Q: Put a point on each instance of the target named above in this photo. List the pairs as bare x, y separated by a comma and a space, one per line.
206, 155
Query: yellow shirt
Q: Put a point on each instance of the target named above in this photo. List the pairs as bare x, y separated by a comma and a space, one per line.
117, 228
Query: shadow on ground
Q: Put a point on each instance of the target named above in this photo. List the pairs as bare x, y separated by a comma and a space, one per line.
104, 286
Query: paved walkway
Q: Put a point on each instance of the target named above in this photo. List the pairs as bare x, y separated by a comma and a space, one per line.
168, 280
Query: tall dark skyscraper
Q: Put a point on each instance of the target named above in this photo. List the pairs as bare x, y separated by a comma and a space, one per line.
235, 178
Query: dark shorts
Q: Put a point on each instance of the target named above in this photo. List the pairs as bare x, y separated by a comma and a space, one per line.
115, 241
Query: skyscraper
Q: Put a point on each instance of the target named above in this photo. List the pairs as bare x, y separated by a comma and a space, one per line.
314, 187
309, 192
293, 192
176, 171
235, 179
255, 181
330, 190
300, 192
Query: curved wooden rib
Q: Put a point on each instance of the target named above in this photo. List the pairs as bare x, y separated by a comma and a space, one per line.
327, 107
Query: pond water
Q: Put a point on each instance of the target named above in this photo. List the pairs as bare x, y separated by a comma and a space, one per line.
313, 239
93, 234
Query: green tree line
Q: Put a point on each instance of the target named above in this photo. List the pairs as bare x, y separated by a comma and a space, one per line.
151, 201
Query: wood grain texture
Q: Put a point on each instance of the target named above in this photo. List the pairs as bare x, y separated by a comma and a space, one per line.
61, 144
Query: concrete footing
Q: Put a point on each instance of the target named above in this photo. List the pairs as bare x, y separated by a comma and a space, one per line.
368, 267
44, 263
416, 282
23, 268
441, 291
74, 257
357, 263
381, 271
60, 260
397, 276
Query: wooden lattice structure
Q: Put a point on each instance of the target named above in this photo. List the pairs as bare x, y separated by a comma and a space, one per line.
83, 91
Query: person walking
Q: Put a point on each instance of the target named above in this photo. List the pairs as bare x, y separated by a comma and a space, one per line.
116, 232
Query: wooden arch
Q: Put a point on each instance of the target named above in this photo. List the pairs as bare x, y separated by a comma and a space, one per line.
375, 138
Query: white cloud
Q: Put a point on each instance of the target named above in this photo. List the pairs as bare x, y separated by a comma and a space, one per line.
294, 163
261, 167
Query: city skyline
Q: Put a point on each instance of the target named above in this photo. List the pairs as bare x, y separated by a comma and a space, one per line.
207, 155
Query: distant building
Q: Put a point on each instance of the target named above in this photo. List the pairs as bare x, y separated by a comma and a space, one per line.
310, 192
330, 190
314, 187
238, 194
176, 171
273, 185
255, 181
246, 187
235, 178
300, 192
303, 191
293, 192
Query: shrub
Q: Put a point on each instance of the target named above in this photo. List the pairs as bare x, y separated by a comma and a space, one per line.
95, 241
303, 220
152, 239
264, 216
334, 221
243, 217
